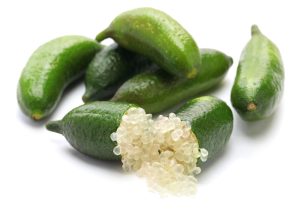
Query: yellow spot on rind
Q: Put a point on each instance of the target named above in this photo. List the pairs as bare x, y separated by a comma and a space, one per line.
36, 116
251, 106
192, 74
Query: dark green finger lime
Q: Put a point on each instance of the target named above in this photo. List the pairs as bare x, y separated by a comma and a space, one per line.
50, 69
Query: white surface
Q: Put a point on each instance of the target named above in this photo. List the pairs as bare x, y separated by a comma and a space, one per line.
41, 175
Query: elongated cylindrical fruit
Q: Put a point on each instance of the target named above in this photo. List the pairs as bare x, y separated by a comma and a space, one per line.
211, 120
89, 127
156, 35
259, 81
109, 69
155, 91
50, 69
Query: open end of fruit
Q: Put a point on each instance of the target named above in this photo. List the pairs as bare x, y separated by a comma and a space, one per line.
164, 150
251, 106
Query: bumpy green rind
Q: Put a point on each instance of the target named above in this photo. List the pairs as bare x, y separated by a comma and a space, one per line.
153, 33
155, 91
88, 128
258, 85
109, 69
212, 123
51, 68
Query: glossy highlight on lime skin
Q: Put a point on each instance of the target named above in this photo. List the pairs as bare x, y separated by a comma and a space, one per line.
50, 69
258, 85
159, 37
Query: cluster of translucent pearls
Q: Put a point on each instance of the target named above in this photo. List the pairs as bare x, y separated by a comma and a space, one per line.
164, 151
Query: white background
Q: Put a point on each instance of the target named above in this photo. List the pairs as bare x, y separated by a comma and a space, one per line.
41, 175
